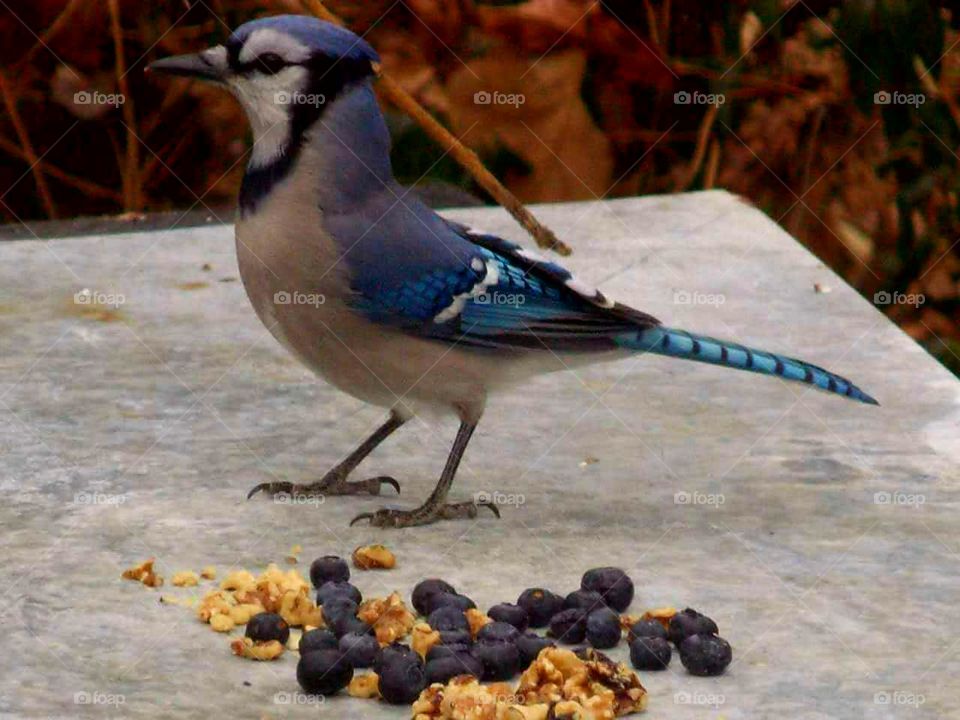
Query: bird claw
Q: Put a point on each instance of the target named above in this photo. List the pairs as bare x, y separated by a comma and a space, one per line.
271, 487
389, 517
329, 486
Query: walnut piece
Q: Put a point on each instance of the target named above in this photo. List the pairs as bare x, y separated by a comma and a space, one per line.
365, 686
143, 573
663, 615
208, 573
477, 619
389, 616
463, 698
600, 688
423, 638
263, 650
374, 557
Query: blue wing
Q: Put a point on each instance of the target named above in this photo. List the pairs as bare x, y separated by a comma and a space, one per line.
438, 279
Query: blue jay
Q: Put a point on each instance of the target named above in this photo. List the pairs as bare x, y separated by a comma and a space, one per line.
378, 294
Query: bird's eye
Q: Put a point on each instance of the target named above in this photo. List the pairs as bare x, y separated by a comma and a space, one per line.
270, 63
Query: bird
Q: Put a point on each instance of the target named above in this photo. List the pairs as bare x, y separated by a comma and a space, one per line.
381, 296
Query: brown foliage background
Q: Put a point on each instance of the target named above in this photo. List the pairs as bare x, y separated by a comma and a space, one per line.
870, 187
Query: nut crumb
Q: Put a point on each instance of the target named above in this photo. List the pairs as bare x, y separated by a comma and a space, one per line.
247, 648
365, 686
143, 573
423, 638
209, 573
186, 578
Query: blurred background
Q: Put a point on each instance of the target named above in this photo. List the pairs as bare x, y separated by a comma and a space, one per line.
838, 118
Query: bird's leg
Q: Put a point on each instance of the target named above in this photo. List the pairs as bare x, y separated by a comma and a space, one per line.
335, 481
435, 508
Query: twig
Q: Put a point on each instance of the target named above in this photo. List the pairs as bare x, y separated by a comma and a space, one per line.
393, 92
713, 165
31, 156
90, 188
132, 189
703, 136
56, 26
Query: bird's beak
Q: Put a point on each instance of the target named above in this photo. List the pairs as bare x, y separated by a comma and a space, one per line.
208, 65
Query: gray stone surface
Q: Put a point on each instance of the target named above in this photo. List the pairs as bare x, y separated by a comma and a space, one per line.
177, 403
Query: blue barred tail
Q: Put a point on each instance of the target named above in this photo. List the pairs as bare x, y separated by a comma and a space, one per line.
682, 344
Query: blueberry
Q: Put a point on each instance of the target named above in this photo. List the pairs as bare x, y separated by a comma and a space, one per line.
268, 626
509, 613
689, 622
569, 626
441, 651
448, 617
389, 653
340, 615
501, 660
647, 628
329, 568
330, 590
603, 628
455, 637
541, 605
442, 669
347, 625
613, 584
401, 678
425, 589
359, 648
319, 639
530, 644
498, 632
589, 600
449, 600
324, 672
650, 653
705, 654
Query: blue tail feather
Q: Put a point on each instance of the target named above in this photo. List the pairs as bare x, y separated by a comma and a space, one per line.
682, 344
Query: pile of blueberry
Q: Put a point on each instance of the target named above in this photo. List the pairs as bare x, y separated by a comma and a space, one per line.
503, 647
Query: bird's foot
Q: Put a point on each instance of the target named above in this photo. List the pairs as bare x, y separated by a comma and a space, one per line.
425, 515
332, 484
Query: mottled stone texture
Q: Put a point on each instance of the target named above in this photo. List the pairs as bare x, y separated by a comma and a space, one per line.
137, 432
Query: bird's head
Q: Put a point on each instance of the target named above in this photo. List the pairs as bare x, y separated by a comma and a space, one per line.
285, 71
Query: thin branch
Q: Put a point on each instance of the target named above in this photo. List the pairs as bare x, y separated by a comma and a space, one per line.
393, 92
31, 156
703, 136
132, 189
